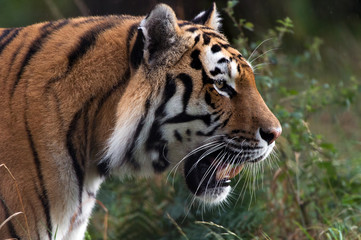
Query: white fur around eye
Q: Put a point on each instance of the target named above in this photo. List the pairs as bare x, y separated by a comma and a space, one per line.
233, 72
211, 60
220, 91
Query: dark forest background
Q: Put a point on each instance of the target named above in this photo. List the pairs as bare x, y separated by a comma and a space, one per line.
309, 72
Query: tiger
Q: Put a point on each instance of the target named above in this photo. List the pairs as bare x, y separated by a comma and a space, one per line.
89, 97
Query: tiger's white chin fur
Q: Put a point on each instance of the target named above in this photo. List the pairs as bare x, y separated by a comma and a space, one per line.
215, 196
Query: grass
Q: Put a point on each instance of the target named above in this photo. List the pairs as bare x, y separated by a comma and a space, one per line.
26, 228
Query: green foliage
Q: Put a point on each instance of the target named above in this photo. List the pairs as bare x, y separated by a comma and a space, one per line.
312, 193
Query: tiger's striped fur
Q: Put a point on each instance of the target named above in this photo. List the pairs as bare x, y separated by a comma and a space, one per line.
87, 97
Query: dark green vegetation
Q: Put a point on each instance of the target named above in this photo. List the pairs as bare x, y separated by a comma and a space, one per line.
308, 67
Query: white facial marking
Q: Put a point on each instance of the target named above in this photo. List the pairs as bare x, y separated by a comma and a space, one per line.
233, 72
211, 60
228, 69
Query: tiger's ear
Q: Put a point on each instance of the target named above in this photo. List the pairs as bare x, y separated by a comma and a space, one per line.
160, 32
209, 18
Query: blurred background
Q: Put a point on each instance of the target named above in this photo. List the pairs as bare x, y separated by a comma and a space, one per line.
307, 60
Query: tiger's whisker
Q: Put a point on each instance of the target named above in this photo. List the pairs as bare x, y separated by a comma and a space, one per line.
254, 51
270, 50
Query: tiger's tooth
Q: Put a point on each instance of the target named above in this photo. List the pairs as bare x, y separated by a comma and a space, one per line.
228, 172
235, 171
222, 173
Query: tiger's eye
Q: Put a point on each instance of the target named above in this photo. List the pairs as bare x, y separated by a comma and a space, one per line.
219, 84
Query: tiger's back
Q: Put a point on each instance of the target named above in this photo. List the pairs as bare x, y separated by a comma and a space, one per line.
84, 98
45, 97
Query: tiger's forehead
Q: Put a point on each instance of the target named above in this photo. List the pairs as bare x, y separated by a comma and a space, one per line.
218, 58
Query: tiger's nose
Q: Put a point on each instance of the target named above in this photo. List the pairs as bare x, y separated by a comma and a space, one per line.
270, 134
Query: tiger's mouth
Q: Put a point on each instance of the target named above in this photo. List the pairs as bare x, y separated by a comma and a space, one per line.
209, 174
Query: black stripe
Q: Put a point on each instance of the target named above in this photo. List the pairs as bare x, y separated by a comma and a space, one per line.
216, 35
216, 71
192, 29
129, 154
208, 99
196, 62
208, 28
12, 60
103, 167
10, 225
188, 85
36, 45
210, 133
227, 120
223, 60
216, 112
231, 144
136, 55
154, 132
229, 90
178, 136
155, 141
225, 45
72, 149
184, 117
86, 42
72, 152
43, 196
5, 33
242, 138
218, 116
206, 39
14, 56
196, 40
215, 48
205, 78
15, 32
169, 91
131, 32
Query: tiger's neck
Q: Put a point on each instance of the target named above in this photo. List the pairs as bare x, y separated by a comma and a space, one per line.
84, 118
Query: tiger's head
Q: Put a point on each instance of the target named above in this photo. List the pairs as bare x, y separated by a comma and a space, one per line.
192, 103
